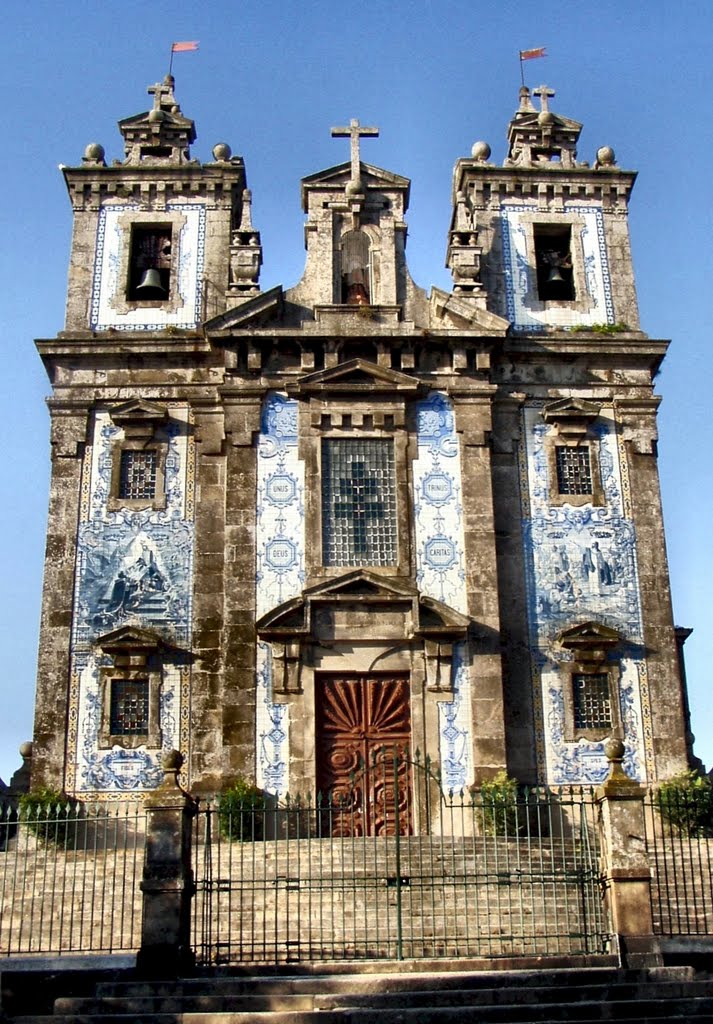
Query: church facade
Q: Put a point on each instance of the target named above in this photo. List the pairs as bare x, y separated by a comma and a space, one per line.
290, 528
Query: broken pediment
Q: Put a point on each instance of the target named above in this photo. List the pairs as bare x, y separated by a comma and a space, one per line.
362, 605
354, 376
457, 311
257, 311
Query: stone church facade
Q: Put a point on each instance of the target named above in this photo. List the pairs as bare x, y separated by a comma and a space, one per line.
289, 528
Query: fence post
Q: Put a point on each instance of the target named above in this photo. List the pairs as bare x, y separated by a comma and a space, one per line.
627, 873
167, 882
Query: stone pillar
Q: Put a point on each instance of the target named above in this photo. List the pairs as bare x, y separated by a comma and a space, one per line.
167, 882
627, 874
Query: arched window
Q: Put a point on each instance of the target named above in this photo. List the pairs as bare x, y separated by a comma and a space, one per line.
356, 284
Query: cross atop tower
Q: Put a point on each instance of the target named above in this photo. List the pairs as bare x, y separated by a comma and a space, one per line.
162, 93
354, 131
545, 94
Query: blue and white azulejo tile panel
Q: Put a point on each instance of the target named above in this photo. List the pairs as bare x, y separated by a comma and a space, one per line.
440, 565
134, 567
280, 570
581, 566
524, 311
108, 307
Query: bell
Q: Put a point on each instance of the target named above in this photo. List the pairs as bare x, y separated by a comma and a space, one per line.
555, 275
151, 283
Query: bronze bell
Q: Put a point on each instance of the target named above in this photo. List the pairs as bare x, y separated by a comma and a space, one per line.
555, 275
151, 283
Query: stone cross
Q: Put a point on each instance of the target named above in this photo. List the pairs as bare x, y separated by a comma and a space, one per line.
544, 93
354, 131
160, 91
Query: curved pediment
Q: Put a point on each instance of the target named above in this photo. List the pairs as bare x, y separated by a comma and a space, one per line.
375, 604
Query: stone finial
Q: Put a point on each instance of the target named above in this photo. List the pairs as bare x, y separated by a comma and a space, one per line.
222, 152
171, 762
618, 782
94, 155
481, 152
606, 157
525, 101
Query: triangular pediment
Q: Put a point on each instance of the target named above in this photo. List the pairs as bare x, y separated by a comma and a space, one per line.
361, 588
571, 408
138, 411
357, 375
589, 634
371, 176
262, 308
130, 638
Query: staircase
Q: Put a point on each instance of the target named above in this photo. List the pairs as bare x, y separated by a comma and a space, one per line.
671, 994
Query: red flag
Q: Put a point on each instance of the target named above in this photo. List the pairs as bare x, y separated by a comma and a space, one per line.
184, 47
531, 54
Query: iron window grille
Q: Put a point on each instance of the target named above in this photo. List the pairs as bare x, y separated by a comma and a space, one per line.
137, 475
592, 700
129, 712
358, 502
574, 470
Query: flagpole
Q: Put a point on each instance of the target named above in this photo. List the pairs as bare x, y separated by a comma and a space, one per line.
170, 63
522, 70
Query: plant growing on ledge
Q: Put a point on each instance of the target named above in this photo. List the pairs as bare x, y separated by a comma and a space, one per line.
497, 801
50, 816
241, 812
685, 802
618, 328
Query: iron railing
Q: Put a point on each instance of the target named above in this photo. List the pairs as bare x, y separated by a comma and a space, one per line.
69, 877
679, 839
465, 874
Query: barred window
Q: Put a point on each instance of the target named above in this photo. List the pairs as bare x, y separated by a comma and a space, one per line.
137, 476
592, 700
129, 712
358, 502
574, 471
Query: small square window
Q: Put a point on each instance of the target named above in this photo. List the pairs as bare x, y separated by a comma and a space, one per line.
592, 701
129, 711
137, 474
553, 260
150, 264
574, 471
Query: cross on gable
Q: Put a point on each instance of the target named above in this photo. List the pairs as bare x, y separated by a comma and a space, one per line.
545, 95
355, 131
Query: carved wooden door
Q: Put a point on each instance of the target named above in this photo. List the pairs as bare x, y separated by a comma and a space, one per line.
363, 732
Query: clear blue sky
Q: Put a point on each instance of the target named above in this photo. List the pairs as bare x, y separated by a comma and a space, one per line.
270, 78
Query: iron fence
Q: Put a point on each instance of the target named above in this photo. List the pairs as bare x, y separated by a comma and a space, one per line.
393, 867
679, 839
69, 877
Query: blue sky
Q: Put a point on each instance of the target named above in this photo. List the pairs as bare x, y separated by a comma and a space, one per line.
270, 79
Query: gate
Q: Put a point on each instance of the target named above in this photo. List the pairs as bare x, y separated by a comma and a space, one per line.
466, 875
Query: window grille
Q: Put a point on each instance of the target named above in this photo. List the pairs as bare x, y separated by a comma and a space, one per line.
137, 477
129, 713
358, 502
592, 701
574, 471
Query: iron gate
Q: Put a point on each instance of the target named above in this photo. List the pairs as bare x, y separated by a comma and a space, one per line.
470, 874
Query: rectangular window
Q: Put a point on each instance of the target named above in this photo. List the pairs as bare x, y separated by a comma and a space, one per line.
592, 701
129, 712
150, 264
574, 471
358, 502
137, 474
553, 259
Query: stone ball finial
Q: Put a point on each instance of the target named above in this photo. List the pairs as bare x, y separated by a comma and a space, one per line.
614, 749
26, 750
156, 115
480, 151
222, 151
95, 152
172, 761
354, 187
606, 156
545, 117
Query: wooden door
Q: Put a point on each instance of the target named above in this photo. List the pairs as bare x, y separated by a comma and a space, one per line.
363, 725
